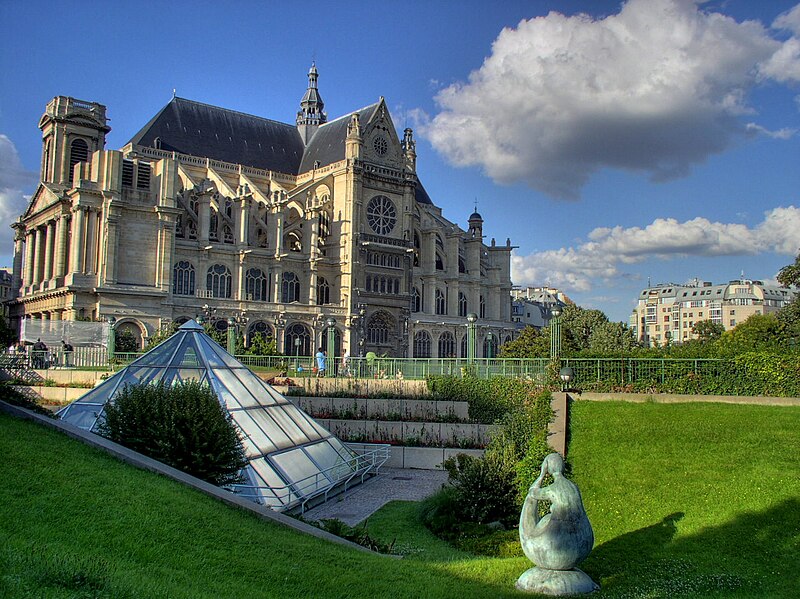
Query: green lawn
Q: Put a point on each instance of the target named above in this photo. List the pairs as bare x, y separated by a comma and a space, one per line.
686, 501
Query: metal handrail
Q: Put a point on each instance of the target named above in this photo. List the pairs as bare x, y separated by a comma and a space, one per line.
365, 463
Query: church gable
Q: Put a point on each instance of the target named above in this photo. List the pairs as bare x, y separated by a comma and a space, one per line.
42, 198
381, 143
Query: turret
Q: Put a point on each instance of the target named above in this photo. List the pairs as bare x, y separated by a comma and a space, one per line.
475, 223
311, 114
352, 144
410, 150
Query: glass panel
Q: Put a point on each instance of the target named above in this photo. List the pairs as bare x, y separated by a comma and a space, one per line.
187, 355
234, 385
296, 434
174, 376
223, 393
304, 474
306, 424
98, 395
256, 386
343, 449
140, 376
329, 460
82, 416
273, 480
210, 346
270, 427
249, 427
161, 354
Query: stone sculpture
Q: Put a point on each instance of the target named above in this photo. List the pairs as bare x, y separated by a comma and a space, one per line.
558, 541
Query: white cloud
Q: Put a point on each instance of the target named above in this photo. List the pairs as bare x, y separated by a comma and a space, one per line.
607, 249
13, 179
657, 88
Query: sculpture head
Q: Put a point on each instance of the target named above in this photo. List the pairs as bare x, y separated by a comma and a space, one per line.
553, 464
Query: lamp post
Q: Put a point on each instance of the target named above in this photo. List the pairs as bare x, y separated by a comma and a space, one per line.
489, 345
331, 365
555, 332
233, 330
280, 322
472, 318
297, 343
112, 337
566, 375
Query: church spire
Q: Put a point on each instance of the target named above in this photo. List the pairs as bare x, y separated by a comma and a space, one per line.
311, 114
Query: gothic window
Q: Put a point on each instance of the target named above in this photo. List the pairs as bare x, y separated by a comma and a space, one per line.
78, 152
462, 267
191, 229
441, 303
381, 215
157, 143
324, 228
463, 347
416, 248
439, 242
227, 234
179, 230
218, 281
416, 300
297, 331
439, 262
379, 327
228, 208
462, 304
213, 223
323, 292
259, 328
290, 288
507, 339
447, 345
255, 284
143, 176
482, 311
422, 344
183, 278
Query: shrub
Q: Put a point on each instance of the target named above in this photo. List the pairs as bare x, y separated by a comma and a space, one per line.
183, 426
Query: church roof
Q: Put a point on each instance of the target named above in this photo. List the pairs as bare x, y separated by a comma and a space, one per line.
197, 129
327, 144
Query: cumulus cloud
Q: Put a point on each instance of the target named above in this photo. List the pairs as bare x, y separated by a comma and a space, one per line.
603, 256
13, 179
657, 88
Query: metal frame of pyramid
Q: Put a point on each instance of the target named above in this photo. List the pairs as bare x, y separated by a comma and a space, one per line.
292, 459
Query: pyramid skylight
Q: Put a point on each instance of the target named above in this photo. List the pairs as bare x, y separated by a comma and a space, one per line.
291, 457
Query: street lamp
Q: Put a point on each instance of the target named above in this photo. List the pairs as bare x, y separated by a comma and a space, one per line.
555, 332
472, 318
112, 337
297, 343
331, 323
489, 345
566, 375
233, 329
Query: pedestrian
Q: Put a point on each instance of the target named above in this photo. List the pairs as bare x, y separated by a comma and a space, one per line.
321, 359
67, 349
40, 354
346, 363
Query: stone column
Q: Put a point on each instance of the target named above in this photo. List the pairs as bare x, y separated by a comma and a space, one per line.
203, 218
38, 260
30, 244
112, 233
76, 251
16, 275
61, 246
242, 221
278, 274
312, 287
238, 277
278, 233
50, 230
91, 241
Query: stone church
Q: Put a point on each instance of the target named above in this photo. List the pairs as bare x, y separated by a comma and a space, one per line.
270, 226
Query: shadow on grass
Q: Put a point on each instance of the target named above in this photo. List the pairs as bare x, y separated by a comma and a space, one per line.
755, 554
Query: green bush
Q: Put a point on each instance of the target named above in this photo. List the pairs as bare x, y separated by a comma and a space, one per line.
183, 426
489, 399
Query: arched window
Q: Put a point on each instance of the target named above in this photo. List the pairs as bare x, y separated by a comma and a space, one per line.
213, 223
463, 344
441, 303
439, 242
218, 281
379, 327
227, 234
297, 331
259, 328
462, 304
422, 344
482, 311
179, 230
507, 339
323, 292
183, 278
78, 152
324, 228
447, 345
416, 300
439, 262
462, 267
255, 285
416, 248
290, 288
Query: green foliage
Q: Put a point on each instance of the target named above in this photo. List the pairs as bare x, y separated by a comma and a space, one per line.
125, 341
790, 275
162, 335
760, 331
608, 337
357, 534
531, 343
8, 336
488, 399
260, 345
707, 330
183, 426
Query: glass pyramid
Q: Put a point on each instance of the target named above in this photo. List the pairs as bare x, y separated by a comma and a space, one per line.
291, 457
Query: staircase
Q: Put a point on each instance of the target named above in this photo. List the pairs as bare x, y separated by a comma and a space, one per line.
16, 368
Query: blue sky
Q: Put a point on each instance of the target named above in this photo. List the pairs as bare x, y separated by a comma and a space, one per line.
612, 142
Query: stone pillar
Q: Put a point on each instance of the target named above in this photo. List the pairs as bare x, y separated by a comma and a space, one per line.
238, 278
38, 260
30, 244
91, 241
242, 221
112, 241
50, 233
203, 218
278, 233
61, 246
76, 251
278, 280
312, 287
16, 275
430, 294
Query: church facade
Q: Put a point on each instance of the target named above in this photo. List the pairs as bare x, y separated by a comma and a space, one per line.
273, 227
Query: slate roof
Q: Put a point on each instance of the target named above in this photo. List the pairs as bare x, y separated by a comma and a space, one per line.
327, 144
198, 129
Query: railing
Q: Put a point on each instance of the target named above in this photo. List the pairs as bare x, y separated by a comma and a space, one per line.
367, 462
80, 357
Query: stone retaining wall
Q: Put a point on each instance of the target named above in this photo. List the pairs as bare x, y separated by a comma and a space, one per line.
400, 409
412, 433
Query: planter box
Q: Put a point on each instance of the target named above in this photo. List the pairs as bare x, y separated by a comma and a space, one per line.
414, 409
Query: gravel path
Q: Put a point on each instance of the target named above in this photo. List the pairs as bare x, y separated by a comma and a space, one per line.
362, 501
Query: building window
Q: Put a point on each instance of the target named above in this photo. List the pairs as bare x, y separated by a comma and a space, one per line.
127, 172
259, 328
301, 332
323, 292
143, 176
78, 152
255, 284
462, 267
416, 300
218, 281
290, 288
381, 215
439, 262
441, 303
462, 304
482, 308
422, 344
183, 278
379, 327
447, 345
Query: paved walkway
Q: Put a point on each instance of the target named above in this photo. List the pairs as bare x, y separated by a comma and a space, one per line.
360, 502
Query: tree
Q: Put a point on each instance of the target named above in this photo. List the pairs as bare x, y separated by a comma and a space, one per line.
162, 335
759, 332
707, 330
125, 341
531, 343
8, 336
261, 345
577, 325
183, 426
609, 337
790, 275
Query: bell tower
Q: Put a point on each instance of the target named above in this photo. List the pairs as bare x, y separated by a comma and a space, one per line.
72, 130
311, 114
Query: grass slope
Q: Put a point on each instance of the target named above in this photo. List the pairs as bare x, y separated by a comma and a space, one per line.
75, 522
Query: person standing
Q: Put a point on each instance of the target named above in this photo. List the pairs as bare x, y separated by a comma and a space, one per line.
346, 363
321, 359
67, 349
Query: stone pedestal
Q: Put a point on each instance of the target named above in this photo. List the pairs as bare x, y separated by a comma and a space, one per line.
556, 582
